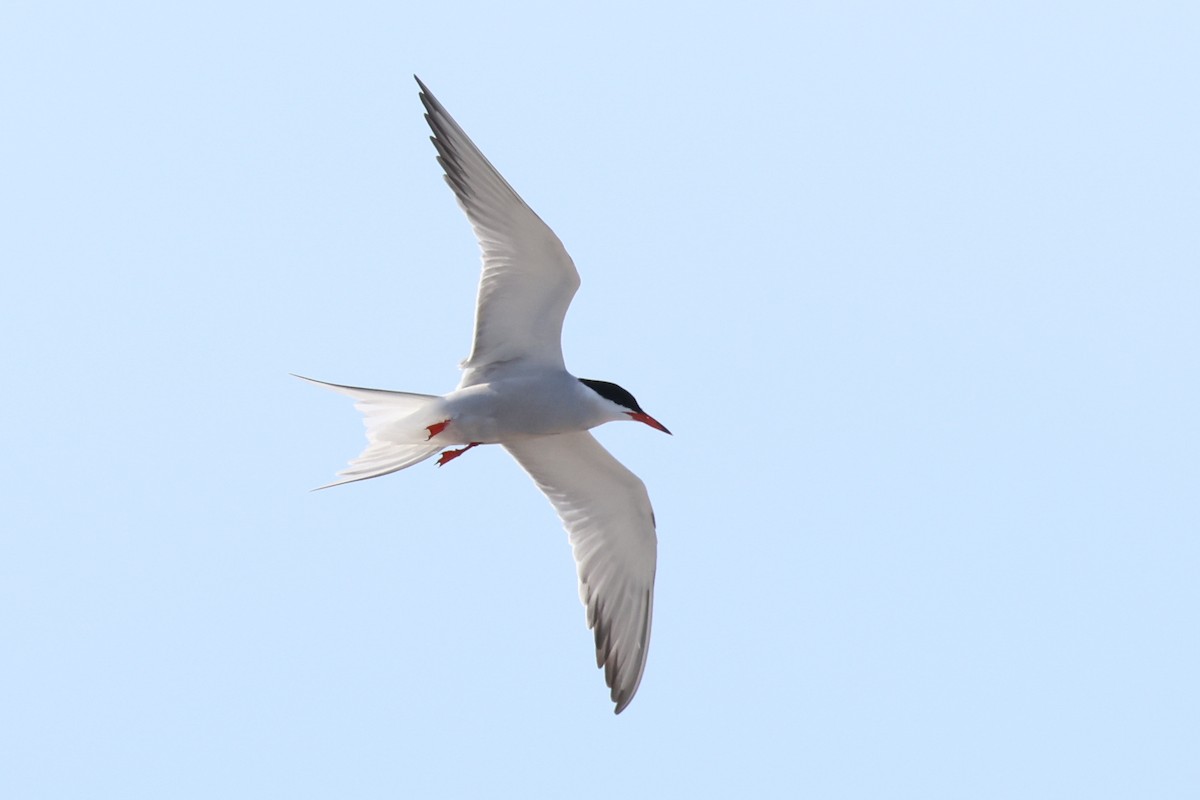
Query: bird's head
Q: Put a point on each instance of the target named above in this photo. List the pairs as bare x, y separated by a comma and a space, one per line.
624, 403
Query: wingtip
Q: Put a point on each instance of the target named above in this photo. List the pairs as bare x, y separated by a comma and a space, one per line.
425, 95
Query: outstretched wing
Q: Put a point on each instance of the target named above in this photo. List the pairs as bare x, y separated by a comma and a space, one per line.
528, 279
607, 514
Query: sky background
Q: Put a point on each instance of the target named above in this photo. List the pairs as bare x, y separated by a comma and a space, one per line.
916, 286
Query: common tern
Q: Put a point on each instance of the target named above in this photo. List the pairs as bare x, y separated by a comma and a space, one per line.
516, 391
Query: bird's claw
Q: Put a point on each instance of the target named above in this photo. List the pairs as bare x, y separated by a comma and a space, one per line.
449, 455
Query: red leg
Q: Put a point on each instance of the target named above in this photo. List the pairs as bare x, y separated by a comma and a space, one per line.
436, 428
449, 455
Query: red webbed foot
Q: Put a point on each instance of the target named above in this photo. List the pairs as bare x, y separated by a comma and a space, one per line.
449, 455
436, 428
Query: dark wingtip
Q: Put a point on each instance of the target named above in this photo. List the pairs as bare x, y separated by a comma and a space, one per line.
424, 94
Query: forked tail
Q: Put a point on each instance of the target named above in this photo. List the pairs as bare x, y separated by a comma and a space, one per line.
396, 435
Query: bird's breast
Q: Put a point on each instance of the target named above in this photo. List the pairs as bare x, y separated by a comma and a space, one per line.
503, 410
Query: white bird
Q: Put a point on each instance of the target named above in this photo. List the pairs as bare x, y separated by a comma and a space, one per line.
515, 391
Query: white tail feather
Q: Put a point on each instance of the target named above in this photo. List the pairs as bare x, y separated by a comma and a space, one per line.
396, 425
380, 459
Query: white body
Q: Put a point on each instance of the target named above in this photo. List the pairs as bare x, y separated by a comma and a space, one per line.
537, 403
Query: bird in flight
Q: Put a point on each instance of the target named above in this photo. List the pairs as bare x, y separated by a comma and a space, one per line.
516, 392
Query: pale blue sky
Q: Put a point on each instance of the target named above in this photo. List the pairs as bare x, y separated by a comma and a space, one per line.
916, 288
